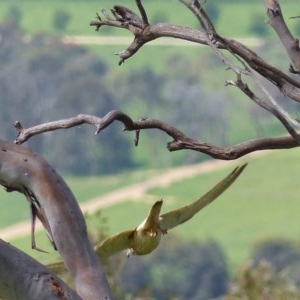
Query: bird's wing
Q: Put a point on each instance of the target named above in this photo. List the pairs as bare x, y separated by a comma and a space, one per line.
108, 247
114, 244
181, 215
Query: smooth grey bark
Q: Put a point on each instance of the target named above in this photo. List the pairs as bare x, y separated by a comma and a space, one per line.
24, 171
23, 278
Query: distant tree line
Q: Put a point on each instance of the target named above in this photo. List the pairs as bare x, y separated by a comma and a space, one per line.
199, 271
42, 79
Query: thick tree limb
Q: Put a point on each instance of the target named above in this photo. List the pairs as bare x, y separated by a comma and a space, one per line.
22, 277
180, 140
24, 171
290, 44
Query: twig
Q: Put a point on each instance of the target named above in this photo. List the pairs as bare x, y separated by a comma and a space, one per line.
291, 45
142, 11
273, 107
142, 35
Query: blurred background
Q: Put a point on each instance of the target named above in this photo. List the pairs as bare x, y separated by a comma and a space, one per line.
55, 66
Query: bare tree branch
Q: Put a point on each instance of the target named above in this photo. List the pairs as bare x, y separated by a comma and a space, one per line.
200, 13
125, 18
180, 140
287, 85
143, 35
245, 88
271, 104
290, 44
142, 11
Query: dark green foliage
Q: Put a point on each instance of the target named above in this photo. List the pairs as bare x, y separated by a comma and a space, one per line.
14, 13
261, 282
212, 11
282, 255
42, 80
258, 27
177, 270
61, 19
278, 252
273, 273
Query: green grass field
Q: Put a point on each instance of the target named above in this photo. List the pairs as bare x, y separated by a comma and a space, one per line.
234, 18
262, 204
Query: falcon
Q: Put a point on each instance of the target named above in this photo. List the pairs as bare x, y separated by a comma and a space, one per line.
146, 237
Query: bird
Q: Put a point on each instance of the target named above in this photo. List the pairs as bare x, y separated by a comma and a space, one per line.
146, 237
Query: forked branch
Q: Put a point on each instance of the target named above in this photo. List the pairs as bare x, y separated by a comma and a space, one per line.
144, 33
291, 44
180, 140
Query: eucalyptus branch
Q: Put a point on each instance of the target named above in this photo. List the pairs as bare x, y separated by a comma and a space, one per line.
22, 277
142, 35
180, 140
269, 107
291, 45
142, 11
273, 107
144, 32
22, 170
200, 13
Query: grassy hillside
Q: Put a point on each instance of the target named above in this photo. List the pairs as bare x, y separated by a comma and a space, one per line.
37, 16
84, 188
263, 203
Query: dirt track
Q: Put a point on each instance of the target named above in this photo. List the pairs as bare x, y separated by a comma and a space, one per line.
126, 40
133, 191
